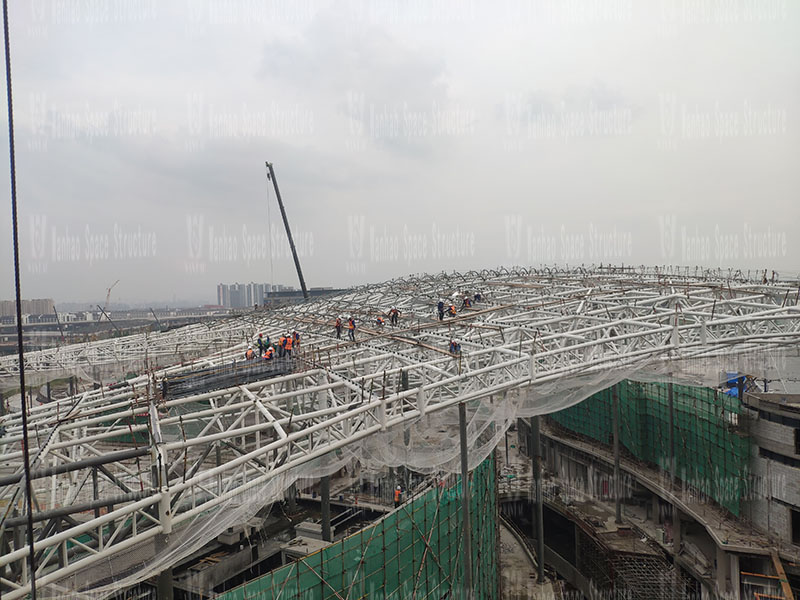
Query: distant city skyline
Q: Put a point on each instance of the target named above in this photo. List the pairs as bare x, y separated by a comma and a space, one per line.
244, 295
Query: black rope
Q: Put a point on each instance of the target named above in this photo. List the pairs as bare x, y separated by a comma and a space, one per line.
23, 403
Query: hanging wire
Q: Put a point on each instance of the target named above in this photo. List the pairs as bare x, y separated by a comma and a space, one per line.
20, 351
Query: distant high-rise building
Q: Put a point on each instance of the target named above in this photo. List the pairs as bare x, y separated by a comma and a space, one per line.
41, 306
223, 295
245, 295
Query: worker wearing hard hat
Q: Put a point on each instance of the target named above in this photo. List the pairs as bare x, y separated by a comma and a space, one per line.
338, 327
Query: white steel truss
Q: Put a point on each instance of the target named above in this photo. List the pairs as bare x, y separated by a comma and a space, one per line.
120, 469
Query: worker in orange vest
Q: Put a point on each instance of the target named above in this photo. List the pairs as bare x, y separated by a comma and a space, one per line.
397, 496
452, 310
351, 329
281, 346
249, 355
288, 341
380, 322
269, 353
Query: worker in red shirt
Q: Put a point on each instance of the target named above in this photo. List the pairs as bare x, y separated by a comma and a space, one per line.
338, 327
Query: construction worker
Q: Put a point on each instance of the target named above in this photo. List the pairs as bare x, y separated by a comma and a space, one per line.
398, 496
296, 337
269, 353
288, 345
394, 315
380, 322
467, 302
440, 308
281, 346
262, 347
351, 329
452, 310
455, 347
477, 296
338, 327
250, 354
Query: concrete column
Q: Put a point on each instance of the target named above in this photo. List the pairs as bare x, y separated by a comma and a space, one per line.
538, 507
735, 574
466, 524
722, 574
617, 478
656, 509
505, 435
164, 585
676, 530
291, 498
325, 501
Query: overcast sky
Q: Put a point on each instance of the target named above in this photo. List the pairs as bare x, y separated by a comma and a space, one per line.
406, 137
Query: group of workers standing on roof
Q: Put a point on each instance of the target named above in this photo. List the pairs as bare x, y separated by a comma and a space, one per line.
268, 350
351, 328
449, 308
394, 319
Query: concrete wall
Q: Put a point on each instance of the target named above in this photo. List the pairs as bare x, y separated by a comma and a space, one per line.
778, 491
776, 488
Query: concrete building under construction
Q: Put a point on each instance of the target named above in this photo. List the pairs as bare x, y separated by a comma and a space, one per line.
582, 433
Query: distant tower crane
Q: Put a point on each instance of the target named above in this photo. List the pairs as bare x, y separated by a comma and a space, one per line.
108, 298
108, 295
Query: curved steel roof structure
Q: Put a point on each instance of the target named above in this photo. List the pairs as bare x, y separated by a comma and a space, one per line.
127, 481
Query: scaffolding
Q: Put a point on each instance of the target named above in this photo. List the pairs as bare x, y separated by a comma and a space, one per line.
414, 552
711, 451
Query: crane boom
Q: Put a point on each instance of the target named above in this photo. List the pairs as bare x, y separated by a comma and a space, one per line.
271, 176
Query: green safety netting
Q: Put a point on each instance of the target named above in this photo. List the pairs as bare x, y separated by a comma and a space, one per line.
711, 452
415, 551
